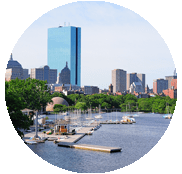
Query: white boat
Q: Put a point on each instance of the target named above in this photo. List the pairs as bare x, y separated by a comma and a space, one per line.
65, 113
167, 116
99, 116
31, 142
89, 132
135, 115
60, 140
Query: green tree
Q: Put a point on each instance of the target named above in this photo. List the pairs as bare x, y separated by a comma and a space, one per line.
106, 105
81, 105
60, 108
33, 92
14, 105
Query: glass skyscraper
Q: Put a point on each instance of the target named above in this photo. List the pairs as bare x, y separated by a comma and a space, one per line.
64, 45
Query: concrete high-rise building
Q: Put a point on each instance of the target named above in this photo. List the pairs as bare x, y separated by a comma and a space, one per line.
64, 45
141, 79
134, 77
159, 85
44, 73
131, 77
118, 80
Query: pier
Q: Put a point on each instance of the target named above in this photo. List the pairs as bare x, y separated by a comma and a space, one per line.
116, 122
70, 140
90, 147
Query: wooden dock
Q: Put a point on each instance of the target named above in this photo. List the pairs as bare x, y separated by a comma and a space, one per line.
90, 147
105, 122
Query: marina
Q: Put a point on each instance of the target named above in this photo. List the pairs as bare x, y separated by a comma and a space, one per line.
135, 140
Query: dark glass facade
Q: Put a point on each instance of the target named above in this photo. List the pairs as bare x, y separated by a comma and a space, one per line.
64, 45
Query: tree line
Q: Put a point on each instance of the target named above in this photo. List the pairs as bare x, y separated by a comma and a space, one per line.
34, 94
126, 103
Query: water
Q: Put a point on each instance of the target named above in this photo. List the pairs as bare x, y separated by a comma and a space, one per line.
135, 140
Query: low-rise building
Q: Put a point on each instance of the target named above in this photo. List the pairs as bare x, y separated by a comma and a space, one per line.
136, 86
44, 73
103, 91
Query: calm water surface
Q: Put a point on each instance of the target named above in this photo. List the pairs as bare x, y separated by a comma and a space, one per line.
135, 140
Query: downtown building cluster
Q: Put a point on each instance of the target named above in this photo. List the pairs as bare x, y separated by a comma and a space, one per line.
134, 83
63, 70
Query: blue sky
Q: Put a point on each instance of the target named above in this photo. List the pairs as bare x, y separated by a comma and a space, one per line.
113, 37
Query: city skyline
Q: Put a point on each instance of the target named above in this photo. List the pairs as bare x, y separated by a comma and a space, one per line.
119, 40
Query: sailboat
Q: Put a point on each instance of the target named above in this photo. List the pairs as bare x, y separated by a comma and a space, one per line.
168, 115
128, 118
99, 116
90, 114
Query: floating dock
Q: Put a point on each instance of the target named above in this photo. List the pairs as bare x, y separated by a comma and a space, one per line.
90, 147
116, 122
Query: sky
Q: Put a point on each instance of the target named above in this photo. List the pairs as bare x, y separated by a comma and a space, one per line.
112, 37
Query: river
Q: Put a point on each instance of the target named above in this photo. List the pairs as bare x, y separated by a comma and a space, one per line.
135, 140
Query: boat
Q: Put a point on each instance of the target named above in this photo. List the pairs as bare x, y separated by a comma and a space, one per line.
99, 116
58, 140
167, 116
31, 142
65, 113
135, 115
132, 120
89, 132
128, 119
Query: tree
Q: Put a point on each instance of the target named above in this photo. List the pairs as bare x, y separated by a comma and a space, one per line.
14, 105
81, 105
33, 92
60, 107
106, 105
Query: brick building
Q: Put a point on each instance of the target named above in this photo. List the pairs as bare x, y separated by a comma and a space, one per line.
170, 78
171, 92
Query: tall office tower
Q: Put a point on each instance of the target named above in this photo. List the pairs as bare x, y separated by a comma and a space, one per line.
141, 79
118, 80
159, 85
134, 77
131, 77
64, 45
